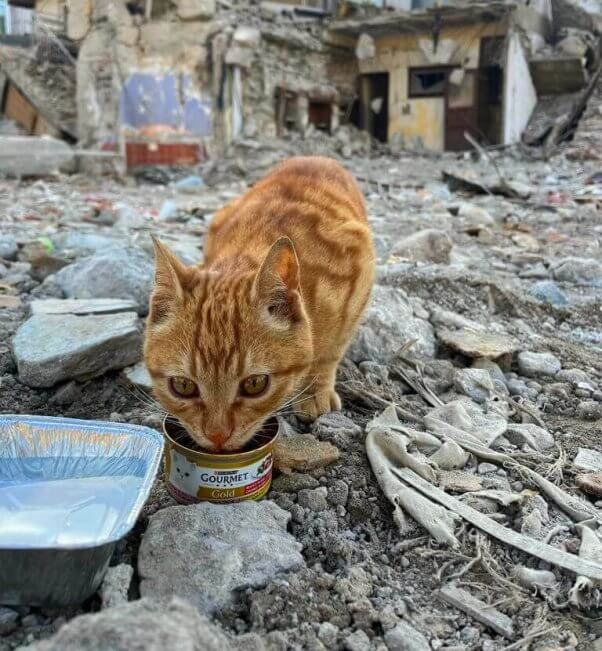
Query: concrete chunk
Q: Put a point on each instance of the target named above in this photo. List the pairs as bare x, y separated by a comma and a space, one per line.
82, 306
32, 156
587, 459
51, 348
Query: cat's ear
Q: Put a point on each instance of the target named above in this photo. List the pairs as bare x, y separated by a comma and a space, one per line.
277, 286
171, 278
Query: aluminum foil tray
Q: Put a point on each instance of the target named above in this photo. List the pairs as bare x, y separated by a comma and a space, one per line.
69, 490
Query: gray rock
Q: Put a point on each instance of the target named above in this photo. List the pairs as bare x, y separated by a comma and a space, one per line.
475, 383
139, 375
589, 410
429, 245
335, 422
357, 586
405, 637
338, 493
495, 372
548, 291
572, 375
517, 387
357, 641
8, 247
534, 436
51, 348
140, 625
191, 9
83, 244
388, 324
118, 272
583, 271
8, 620
450, 456
115, 585
474, 217
240, 545
587, 459
294, 482
313, 499
328, 634
535, 364
485, 468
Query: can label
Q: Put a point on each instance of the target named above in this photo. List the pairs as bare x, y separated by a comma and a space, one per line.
190, 482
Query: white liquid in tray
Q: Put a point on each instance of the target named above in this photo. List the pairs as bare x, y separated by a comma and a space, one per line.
64, 512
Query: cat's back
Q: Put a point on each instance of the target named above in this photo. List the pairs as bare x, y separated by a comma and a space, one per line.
304, 198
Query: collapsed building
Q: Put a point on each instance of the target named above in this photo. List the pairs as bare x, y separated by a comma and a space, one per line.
176, 81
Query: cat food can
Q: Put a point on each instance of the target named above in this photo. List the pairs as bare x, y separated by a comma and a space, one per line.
192, 475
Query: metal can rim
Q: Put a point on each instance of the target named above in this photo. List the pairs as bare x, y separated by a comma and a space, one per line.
216, 459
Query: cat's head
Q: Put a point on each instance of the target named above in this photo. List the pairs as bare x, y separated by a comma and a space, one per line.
226, 349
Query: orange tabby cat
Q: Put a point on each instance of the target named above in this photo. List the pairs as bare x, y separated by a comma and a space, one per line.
262, 324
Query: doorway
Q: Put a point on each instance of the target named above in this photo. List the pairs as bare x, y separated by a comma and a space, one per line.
374, 104
461, 109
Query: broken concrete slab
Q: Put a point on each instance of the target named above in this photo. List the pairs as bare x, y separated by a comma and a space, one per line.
478, 609
82, 306
241, 545
303, 452
33, 156
587, 459
51, 348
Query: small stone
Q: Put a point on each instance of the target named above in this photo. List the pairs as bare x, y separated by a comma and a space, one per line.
241, 545
428, 245
477, 344
335, 421
534, 436
8, 620
193, 9
495, 372
95, 344
313, 499
139, 376
338, 493
81, 306
457, 481
582, 271
8, 247
589, 410
517, 387
294, 482
328, 634
536, 364
404, 637
485, 468
572, 375
357, 641
450, 456
590, 484
548, 291
357, 586
115, 585
475, 383
475, 217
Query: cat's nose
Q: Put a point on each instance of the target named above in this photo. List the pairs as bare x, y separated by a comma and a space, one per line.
219, 438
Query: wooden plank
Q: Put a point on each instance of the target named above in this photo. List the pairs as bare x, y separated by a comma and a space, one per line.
18, 109
477, 609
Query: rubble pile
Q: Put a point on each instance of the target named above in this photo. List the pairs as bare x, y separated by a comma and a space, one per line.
456, 501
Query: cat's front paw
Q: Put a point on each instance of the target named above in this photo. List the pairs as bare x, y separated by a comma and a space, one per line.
318, 404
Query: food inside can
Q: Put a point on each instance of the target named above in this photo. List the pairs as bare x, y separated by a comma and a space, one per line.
192, 475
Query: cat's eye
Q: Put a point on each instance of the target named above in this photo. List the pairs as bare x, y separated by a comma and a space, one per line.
183, 387
254, 385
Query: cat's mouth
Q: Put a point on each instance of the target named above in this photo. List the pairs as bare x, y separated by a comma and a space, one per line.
250, 438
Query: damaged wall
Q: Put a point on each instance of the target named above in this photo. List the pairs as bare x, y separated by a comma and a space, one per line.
420, 121
520, 96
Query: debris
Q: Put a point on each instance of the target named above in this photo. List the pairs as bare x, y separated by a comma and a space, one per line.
95, 344
115, 585
463, 183
477, 344
588, 460
536, 364
303, 452
242, 545
404, 637
143, 624
389, 322
81, 306
32, 156
479, 610
429, 245
190, 183
459, 482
